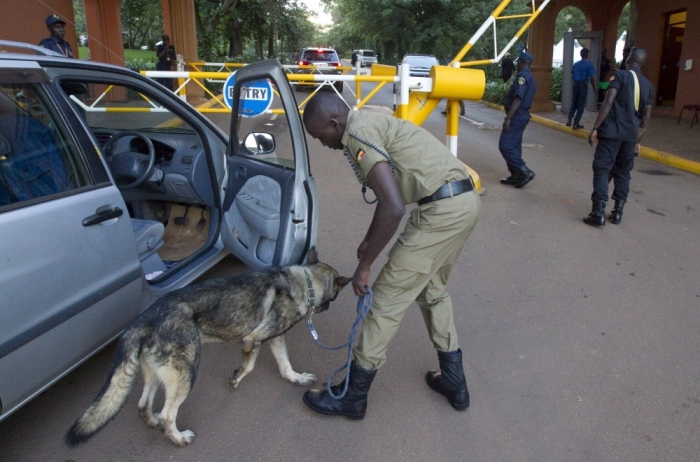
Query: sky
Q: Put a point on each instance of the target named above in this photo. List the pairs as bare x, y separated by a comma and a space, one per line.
321, 18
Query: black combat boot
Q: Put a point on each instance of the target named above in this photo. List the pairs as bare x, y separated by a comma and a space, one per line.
526, 176
616, 213
512, 179
353, 405
449, 380
597, 215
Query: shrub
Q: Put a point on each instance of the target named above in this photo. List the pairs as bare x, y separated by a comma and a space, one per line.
495, 92
555, 89
140, 64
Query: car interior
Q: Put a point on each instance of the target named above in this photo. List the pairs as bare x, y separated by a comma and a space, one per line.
160, 164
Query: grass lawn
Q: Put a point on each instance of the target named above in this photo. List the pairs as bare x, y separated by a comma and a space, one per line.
129, 55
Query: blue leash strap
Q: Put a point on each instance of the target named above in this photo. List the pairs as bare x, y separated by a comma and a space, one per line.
364, 303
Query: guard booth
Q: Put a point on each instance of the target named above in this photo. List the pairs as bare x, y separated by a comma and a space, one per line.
595, 39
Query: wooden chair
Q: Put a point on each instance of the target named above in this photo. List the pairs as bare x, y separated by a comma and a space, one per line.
693, 107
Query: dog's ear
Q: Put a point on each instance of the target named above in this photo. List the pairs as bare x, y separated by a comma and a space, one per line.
312, 256
340, 282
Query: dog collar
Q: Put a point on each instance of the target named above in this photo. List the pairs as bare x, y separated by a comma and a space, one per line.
310, 291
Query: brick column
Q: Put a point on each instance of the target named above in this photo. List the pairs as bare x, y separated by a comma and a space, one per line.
540, 45
180, 25
104, 28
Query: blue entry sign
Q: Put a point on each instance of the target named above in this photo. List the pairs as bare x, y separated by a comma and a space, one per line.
256, 96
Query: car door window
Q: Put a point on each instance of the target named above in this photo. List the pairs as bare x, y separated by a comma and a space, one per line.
266, 136
38, 158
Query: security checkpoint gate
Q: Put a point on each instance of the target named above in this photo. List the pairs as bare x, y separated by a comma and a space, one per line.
417, 96
595, 48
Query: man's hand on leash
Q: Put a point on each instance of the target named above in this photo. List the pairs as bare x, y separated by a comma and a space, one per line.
360, 280
592, 136
637, 150
506, 124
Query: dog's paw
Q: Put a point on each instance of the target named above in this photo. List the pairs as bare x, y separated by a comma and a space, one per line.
183, 438
304, 379
150, 419
234, 379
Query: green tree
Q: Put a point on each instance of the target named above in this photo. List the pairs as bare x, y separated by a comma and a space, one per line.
570, 18
142, 20
437, 27
79, 14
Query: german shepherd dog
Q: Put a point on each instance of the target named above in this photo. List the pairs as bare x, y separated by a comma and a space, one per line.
165, 339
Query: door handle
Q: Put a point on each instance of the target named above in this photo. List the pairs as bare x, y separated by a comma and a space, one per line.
103, 215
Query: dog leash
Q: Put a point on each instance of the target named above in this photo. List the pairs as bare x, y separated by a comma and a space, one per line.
364, 302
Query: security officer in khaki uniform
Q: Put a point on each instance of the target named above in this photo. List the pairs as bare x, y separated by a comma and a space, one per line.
403, 164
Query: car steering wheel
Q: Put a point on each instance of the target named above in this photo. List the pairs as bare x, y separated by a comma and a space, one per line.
131, 168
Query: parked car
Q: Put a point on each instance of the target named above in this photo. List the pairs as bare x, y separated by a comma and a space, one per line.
113, 192
419, 65
326, 61
365, 57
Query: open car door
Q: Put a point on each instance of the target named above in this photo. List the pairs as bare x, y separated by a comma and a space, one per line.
270, 217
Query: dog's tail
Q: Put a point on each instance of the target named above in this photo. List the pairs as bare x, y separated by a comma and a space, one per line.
114, 392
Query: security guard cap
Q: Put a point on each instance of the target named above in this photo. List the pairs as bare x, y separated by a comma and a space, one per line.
525, 57
53, 19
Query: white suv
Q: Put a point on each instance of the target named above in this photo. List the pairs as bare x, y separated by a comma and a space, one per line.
326, 61
365, 57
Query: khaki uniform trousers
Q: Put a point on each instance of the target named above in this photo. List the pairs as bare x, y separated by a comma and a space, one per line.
418, 269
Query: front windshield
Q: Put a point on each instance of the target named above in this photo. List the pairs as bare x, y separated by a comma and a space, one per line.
114, 107
421, 61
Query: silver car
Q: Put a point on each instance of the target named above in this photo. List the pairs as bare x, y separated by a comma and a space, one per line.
113, 192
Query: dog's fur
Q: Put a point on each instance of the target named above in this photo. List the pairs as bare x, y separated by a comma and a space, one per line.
165, 339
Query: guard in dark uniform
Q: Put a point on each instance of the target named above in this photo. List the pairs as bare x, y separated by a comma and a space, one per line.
403, 164
166, 55
517, 104
57, 29
620, 126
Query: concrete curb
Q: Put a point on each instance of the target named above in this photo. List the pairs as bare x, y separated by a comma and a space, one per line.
648, 153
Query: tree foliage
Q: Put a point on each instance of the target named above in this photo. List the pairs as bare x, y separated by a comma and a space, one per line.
142, 20
437, 27
252, 29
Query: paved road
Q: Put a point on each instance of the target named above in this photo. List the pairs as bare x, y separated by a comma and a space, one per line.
580, 344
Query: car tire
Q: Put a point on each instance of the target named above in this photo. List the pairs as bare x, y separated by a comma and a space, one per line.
298, 87
340, 86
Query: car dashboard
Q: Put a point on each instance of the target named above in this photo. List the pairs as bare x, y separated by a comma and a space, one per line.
180, 165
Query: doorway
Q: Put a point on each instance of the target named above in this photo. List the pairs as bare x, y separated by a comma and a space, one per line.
671, 58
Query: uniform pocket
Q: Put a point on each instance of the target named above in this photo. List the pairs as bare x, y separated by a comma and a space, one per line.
408, 260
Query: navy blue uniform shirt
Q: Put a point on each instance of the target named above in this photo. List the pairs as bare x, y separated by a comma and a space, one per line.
622, 123
525, 87
53, 44
583, 70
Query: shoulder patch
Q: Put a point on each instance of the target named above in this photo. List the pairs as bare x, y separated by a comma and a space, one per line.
521, 80
359, 155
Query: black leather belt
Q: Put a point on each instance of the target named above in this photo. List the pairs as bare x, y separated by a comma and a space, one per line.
458, 187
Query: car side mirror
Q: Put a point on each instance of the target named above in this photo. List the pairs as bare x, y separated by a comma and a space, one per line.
259, 143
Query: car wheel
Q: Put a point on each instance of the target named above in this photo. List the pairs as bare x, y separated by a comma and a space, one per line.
339, 86
298, 87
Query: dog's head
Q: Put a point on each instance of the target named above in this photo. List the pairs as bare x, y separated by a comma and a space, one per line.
327, 277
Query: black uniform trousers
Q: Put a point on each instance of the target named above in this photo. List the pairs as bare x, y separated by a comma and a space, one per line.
511, 142
612, 158
578, 101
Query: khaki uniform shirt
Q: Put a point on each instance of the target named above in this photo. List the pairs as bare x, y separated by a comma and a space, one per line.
422, 163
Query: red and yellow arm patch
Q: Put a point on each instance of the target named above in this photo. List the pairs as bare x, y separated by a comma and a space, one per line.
360, 155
